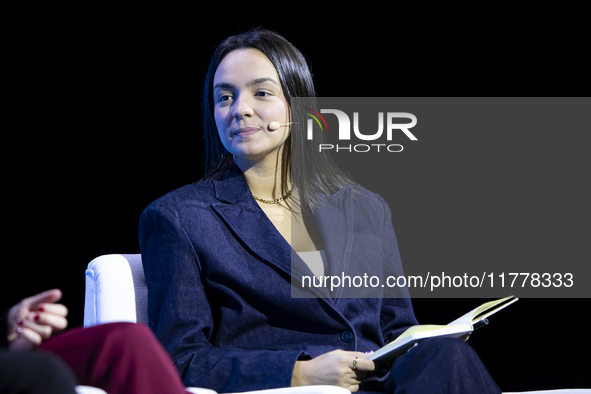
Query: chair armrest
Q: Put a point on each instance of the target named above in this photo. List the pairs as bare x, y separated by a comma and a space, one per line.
89, 390
110, 294
197, 390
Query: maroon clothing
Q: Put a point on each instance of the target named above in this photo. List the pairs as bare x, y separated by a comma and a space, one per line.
120, 358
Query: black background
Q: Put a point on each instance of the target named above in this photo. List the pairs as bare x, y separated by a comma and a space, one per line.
102, 108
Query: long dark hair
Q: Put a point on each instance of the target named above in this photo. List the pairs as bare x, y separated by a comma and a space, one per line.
315, 175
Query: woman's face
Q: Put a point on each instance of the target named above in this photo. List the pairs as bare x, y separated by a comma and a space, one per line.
247, 97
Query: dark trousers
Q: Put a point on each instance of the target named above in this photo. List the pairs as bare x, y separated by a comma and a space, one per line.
439, 365
34, 373
120, 358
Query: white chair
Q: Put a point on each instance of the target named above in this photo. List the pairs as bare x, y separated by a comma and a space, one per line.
116, 292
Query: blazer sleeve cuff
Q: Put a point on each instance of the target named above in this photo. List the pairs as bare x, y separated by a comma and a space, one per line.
242, 370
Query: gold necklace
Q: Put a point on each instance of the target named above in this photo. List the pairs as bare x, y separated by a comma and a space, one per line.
275, 201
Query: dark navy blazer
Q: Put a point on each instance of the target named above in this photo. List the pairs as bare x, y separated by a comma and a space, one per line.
220, 293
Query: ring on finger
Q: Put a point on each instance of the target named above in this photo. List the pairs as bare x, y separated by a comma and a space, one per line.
355, 364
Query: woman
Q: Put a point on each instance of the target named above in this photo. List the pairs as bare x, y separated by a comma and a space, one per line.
220, 255
41, 357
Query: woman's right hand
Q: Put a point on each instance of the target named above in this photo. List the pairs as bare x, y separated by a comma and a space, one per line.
34, 319
333, 368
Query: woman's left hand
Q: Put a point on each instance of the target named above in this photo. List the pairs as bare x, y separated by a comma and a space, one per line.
34, 319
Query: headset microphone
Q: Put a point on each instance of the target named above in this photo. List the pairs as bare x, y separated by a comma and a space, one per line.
275, 125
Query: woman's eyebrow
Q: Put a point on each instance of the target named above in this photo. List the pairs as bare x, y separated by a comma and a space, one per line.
223, 85
261, 80
256, 81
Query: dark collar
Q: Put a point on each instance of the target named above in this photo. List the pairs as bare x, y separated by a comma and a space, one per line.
232, 187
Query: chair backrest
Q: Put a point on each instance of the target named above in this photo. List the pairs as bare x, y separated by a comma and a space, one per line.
115, 290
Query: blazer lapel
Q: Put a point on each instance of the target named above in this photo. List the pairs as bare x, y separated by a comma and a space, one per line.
255, 231
249, 223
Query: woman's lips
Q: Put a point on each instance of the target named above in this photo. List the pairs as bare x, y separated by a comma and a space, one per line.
246, 131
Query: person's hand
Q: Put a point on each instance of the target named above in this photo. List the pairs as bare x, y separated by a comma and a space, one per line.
333, 368
34, 319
